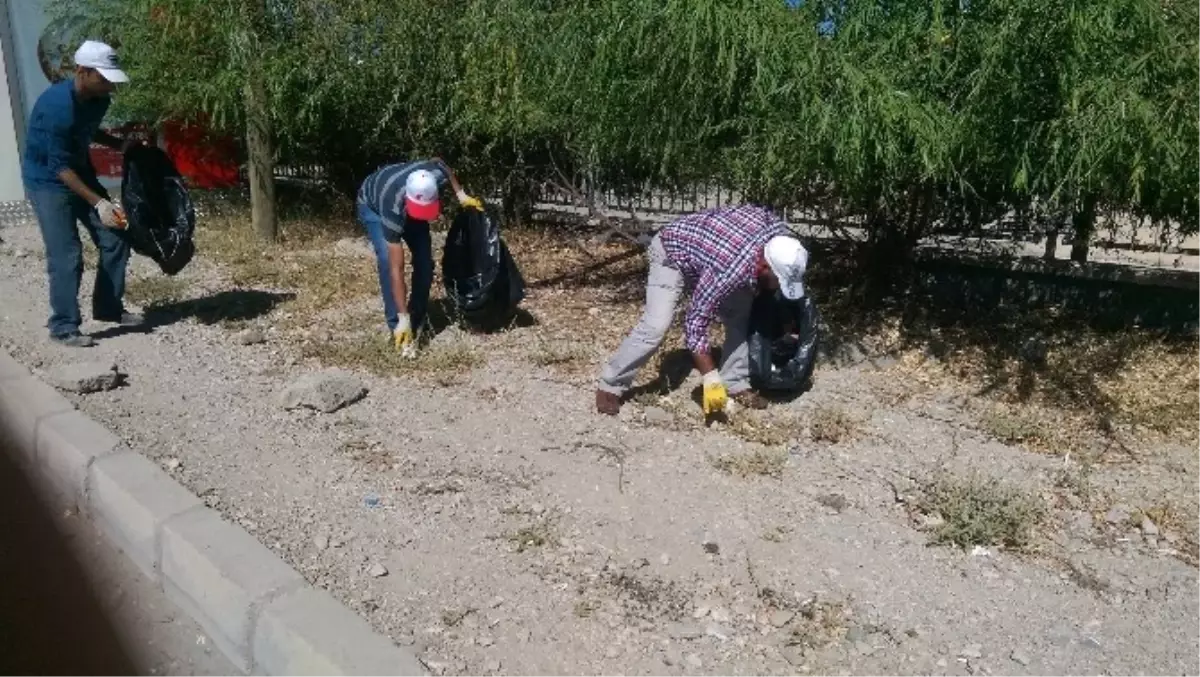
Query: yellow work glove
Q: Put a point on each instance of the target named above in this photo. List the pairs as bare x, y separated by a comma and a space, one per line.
715, 396
403, 336
469, 202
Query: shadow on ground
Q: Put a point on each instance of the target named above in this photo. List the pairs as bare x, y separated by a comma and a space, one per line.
236, 305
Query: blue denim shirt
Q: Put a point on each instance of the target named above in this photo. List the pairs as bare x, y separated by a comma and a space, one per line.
61, 128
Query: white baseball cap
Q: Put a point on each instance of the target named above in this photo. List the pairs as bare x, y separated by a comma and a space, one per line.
93, 54
788, 259
421, 195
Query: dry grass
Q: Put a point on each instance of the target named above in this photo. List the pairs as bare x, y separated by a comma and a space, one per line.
1030, 426
759, 462
980, 511
833, 424
448, 358
535, 535
760, 428
817, 624
146, 291
548, 353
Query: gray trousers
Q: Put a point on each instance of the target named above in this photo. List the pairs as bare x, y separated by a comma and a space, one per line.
664, 286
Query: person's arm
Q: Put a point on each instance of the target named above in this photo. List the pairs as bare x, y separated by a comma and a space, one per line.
396, 269
700, 313
105, 139
71, 180
439, 165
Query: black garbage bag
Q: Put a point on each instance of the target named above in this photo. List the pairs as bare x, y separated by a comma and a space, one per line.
482, 280
783, 342
161, 218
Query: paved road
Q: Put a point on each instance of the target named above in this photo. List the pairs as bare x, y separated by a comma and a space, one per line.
71, 603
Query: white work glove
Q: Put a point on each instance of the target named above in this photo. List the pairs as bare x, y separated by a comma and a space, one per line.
403, 335
110, 214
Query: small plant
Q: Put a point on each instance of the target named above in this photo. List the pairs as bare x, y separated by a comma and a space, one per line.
535, 535
834, 425
977, 511
1012, 426
584, 608
760, 462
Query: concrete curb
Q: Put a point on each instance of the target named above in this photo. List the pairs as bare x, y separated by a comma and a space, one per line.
259, 611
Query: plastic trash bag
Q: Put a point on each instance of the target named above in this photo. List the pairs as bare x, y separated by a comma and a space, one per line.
159, 211
481, 278
783, 342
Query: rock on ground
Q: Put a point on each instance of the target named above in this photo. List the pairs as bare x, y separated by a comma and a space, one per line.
251, 336
85, 377
326, 391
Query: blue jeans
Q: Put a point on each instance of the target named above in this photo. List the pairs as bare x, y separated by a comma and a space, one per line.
57, 212
416, 236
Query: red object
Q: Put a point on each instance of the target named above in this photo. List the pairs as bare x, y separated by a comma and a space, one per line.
204, 161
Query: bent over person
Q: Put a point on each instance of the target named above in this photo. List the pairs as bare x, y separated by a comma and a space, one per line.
395, 205
725, 256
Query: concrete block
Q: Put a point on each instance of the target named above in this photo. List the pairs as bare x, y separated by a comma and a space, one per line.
130, 498
24, 401
218, 573
10, 368
307, 632
67, 443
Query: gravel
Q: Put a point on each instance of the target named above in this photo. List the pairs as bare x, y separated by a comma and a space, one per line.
508, 435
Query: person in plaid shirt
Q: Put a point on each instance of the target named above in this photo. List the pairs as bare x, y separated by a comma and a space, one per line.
725, 256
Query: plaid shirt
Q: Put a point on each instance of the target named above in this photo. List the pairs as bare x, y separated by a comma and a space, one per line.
717, 252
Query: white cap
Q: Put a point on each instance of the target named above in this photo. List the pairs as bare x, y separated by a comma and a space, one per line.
93, 54
421, 195
788, 259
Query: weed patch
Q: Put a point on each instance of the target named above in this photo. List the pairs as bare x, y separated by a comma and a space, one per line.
978, 511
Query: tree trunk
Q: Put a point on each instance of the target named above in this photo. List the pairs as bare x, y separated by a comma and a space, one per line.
259, 143
262, 160
1084, 222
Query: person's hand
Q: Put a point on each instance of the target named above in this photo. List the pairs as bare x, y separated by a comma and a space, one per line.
110, 215
469, 202
402, 336
715, 396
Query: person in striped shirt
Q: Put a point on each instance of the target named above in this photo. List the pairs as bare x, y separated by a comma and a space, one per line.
725, 256
395, 205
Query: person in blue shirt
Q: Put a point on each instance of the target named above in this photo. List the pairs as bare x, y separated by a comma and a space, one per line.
395, 205
61, 183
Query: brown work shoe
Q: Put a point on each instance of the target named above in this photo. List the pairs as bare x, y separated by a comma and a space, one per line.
608, 403
750, 400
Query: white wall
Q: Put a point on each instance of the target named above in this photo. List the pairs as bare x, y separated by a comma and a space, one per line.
10, 104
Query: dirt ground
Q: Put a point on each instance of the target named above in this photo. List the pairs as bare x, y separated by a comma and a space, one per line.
523, 534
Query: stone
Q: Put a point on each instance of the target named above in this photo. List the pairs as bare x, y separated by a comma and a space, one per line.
856, 634
85, 377
932, 521
612, 652
325, 391
377, 570
173, 464
658, 416
794, 655
1091, 642
485, 641
672, 656
718, 631
1118, 514
720, 614
685, 631
1149, 528
664, 559
495, 602
1019, 657
694, 662
972, 651
321, 542
492, 666
781, 617
250, 336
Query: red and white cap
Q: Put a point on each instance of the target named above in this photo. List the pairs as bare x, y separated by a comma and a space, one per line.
421, 199
93, 54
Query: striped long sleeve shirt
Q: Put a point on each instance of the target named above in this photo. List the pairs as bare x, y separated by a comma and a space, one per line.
717, 252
